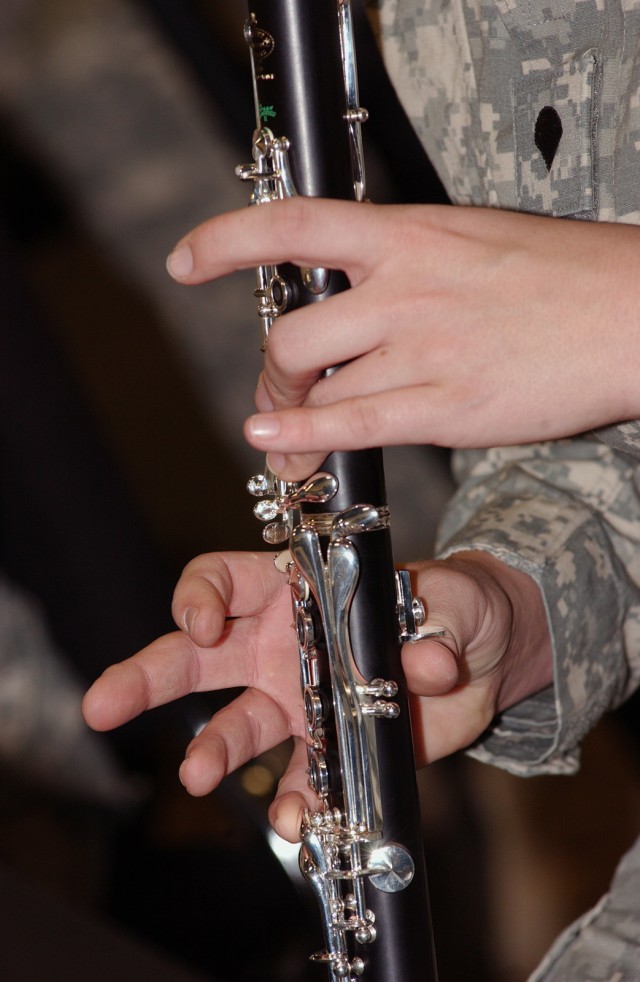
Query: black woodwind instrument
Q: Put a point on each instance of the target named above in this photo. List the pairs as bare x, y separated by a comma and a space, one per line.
362, 850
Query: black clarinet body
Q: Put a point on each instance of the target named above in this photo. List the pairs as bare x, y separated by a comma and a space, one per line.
362, 852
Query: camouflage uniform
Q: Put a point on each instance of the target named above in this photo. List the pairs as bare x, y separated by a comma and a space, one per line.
536, 107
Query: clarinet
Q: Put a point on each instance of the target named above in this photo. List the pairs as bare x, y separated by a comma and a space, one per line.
362, 849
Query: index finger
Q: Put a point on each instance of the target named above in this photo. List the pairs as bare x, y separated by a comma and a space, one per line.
174, 666
164, 670
303, 231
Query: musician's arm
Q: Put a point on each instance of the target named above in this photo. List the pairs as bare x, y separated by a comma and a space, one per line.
568, 515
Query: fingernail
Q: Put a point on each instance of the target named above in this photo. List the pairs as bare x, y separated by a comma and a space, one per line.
276, 462
190, 615
180, 262
263, 426
430, 631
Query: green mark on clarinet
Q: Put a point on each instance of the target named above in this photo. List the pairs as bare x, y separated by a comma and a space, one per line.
267, 112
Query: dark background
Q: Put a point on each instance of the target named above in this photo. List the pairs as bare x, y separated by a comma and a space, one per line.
122, 397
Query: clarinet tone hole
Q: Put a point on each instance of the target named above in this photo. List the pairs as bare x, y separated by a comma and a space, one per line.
305, 629
314, 708
280, 294
319, 773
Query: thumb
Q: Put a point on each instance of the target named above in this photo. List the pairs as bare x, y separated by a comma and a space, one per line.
465, 596
431, 666
294, 796
489, 658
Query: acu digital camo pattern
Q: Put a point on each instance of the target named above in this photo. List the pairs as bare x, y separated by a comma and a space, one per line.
535, 106
474, 76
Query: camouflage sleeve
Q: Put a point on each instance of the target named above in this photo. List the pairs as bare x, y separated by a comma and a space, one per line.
567, 514
622, 436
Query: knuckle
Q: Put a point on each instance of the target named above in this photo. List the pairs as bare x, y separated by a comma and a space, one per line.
282, 395
287, 388
306, 428
364, 422
198, 564
202, 575
280, 354
282, 377
295, 221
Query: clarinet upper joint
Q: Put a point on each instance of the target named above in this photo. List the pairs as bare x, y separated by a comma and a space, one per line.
272, 181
